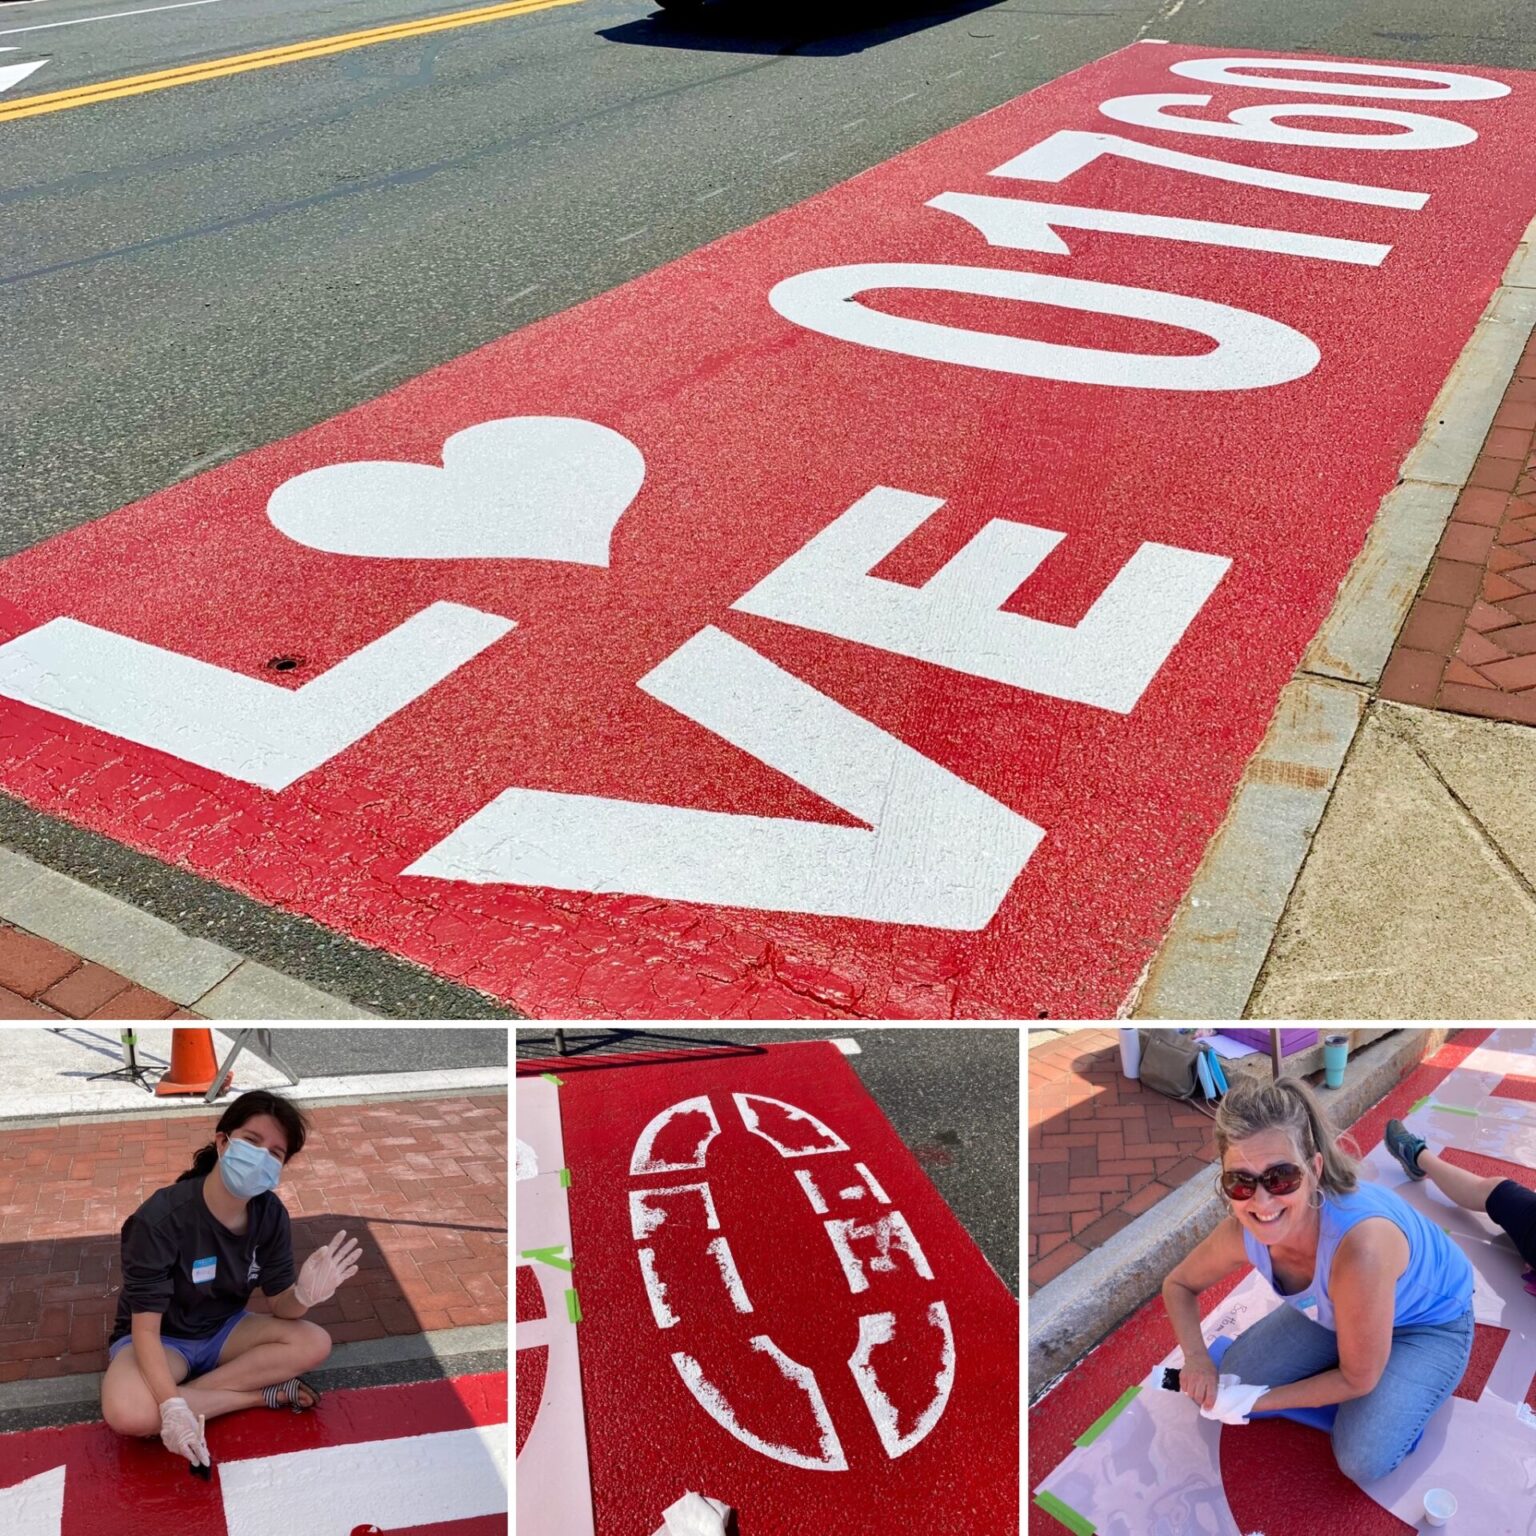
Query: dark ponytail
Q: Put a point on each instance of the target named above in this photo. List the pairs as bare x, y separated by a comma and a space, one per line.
259, 1101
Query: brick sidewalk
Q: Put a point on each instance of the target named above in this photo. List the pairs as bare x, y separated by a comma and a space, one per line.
1469, 643
1102, 1149
422, 1183
42, 980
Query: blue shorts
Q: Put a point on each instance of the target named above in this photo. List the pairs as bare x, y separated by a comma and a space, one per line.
201, 1355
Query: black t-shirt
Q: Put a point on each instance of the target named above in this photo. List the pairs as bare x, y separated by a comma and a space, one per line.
179, 1261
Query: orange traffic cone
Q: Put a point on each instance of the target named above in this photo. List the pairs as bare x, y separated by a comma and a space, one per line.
193, 1066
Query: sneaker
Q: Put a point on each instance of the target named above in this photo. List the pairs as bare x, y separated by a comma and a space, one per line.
1405, 1147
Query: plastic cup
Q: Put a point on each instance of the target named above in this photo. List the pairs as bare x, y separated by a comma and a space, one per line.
1439, 1505
1335, 1054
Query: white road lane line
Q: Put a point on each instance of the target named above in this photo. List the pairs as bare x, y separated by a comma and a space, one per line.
80, 21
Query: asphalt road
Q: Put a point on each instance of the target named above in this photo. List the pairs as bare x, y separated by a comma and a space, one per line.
951, 1094
189, 272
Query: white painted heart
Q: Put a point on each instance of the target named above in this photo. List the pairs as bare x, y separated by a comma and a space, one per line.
522, 488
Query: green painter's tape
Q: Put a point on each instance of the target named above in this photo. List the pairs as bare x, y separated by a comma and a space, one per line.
1068, 1516
565, 1178
551, 1256
1108, 1417
549, 1077
1414, 1108
572, 1307
1455, 1109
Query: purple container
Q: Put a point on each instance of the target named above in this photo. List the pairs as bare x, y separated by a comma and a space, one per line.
1291, 1040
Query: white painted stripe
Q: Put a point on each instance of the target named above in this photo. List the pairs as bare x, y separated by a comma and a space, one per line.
457, 1474
808, 1184
656, 1290
714, 1403
720, 1249
874, 1184
80, 21
880, 1328
34, 1507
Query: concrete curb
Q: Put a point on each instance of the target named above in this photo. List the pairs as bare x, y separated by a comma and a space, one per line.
1069, 1316
1215, 948
205, 946
196, 973
56, 1391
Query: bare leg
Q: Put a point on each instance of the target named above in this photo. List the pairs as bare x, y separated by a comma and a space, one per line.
1466, 1189
130, 1408
260, 1352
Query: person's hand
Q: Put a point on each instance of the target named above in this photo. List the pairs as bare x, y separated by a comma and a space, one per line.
1235, 1400
1197, 1381
325, 1269
181, 1432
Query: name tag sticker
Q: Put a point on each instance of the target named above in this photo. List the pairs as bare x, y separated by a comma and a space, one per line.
203, 1270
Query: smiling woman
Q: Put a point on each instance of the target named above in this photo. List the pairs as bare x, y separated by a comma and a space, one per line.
193, 1253
1377, 1318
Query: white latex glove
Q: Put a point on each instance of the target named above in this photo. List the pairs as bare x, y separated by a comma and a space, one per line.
695, 1515
181, 1432
1234, 1401
325, 1269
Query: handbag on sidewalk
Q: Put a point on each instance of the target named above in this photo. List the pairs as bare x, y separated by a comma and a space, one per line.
1168, 1063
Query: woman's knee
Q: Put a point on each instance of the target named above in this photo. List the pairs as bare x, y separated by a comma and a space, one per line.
1363, 1459
133, 1414
314, 1340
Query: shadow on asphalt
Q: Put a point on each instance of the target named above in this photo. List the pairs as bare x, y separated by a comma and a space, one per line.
621, 1048
755, 26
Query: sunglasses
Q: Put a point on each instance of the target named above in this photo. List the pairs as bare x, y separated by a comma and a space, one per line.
1278, 1179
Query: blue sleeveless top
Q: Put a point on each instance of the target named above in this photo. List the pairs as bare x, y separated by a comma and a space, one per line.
1435, 1288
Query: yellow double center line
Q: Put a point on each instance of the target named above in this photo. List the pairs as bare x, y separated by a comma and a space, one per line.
267, 58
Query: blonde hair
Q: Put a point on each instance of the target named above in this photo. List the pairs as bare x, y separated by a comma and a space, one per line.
1251, 1107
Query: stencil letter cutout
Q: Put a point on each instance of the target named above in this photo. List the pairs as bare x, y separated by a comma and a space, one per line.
878, 1241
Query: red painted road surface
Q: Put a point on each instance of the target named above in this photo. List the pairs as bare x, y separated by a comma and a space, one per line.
1279, 1477
865, 1352
606, 716
347, 1469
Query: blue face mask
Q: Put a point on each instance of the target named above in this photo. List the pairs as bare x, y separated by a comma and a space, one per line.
248, 1171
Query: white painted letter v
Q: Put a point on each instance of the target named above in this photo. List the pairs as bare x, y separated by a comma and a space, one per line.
935, 851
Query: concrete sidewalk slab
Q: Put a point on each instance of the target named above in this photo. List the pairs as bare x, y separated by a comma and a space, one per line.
1211, 959
46, 1073
1418, 896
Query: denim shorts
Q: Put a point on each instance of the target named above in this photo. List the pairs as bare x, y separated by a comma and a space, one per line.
201, 1355
1371, 1434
